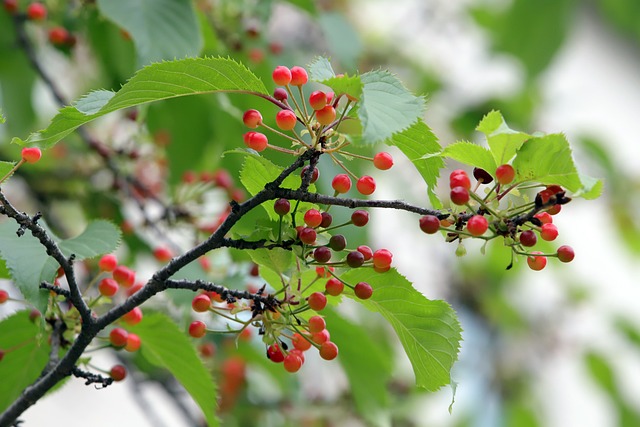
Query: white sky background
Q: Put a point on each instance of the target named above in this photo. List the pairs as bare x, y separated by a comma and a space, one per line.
592, 87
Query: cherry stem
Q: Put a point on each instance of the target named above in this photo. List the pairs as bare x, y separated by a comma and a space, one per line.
12, 170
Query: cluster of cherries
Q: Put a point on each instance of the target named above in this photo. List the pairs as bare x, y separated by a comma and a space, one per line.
548, 202
37, 12
287, 333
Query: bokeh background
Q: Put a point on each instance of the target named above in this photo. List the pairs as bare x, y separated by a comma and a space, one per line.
560, 347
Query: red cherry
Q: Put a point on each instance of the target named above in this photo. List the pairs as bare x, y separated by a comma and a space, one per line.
430, 224
548, 232
341, 183
457, 172
544, 217
292, 363
313, 218
566, 253
252, 118
197, 329
505, 174
460, 180
363, 290
334, 287
133, 343
118, 373
280, 94
528, 238
321, 337
201, 303
108, 263
300, 342
286, 119
366, 185
322, 254
282, 207
326, 115
255, 140
338, 242
366, 252
36, 11
536, 262
383, 161
299, 76
58, 36
355, 259
328, 350
124, 276
207, 349
317, 301
31, 154
360, 218
274, 353
307, 235
133, 317
318, 100
118, 337
4, 296
459, 195
327, 219
382, 258
316, 324
10, 6
162, 254
314, 175
281, 75
108, 287
477, 225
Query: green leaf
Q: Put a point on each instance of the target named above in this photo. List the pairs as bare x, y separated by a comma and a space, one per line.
191, 76
29, 264
503, 141
100, 237
428, 330
320, 69
471, 154
21, 366
420, 145
160, 29
547, 159
167, 346
386, 106
258, 171
5, 168
360, 357
277, 259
